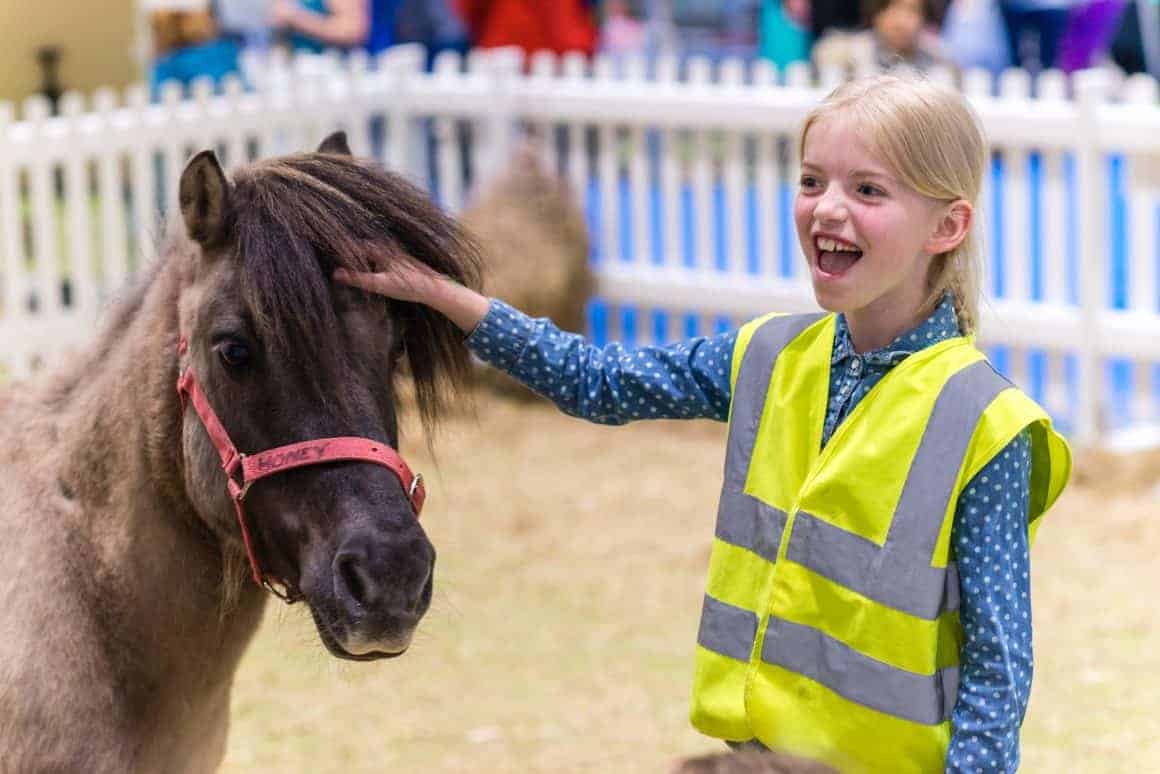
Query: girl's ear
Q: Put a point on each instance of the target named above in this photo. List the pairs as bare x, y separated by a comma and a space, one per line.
952, 227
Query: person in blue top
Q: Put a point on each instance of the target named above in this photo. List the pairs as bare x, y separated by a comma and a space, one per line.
1034, 30
315, 25
188, 45
783, 35
885, 214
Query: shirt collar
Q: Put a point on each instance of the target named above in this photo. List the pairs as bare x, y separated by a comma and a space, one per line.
942, 324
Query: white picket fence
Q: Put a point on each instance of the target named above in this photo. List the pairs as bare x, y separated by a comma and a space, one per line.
686, 177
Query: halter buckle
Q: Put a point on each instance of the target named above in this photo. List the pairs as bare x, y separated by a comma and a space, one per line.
280, 590
238, 463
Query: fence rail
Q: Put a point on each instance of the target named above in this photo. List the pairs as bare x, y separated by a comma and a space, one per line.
686, 175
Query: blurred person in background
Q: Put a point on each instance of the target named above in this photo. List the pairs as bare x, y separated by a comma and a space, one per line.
974, 35
717, 29
829, 15
1034, 30
896, 35
436, 24
784, 35
315, 25
533, 25
1091, 27
622, 31
187, 44
382, 32
1136, 46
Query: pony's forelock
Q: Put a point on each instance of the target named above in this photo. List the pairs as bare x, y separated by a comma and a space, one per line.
298, 218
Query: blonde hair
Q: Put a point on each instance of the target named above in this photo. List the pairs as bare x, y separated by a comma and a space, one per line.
931, 139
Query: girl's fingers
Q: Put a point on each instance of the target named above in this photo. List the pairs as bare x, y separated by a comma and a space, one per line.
364, 280
406, 280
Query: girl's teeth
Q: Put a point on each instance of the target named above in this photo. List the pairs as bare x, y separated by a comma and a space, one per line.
830, 245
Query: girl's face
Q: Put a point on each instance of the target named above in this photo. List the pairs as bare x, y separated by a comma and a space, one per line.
865, 235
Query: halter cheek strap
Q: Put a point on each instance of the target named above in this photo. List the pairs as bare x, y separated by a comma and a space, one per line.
254, 467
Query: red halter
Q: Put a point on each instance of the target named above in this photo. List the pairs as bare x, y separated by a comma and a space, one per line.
296, 455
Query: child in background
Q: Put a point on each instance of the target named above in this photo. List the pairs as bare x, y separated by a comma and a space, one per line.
868, 598
896, 35
187, 44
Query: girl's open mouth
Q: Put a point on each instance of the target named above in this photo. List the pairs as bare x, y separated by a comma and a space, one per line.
835, 256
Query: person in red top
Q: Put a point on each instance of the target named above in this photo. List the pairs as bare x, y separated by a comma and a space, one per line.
533, 25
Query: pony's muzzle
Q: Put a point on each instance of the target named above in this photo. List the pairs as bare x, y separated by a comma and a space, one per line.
382, 586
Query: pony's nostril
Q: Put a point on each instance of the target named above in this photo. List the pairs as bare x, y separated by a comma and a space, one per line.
351, 578
419, 602
376, 577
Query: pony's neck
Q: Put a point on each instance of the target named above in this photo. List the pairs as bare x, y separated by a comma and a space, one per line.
161, 566
120, 398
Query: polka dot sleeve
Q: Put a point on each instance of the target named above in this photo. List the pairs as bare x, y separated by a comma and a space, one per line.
610, 385
989, 535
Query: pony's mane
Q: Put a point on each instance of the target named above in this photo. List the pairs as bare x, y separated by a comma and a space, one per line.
297, 218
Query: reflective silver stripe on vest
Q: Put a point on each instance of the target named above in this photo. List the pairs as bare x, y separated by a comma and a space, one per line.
727, 629
927, 699
743, 520
899, 574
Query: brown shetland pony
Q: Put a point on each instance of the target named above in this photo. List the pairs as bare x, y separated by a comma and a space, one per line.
126, 601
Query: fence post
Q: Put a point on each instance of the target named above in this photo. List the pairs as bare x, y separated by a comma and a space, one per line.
575, 70
1090, 90
11, 243
1142, 192
43, 212
78, 201
13, 276
502, 68
400, 66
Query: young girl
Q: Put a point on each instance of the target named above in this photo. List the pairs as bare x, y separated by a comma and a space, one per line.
868, 600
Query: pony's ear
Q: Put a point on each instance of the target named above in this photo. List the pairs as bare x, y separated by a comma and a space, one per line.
204, 194
336, 144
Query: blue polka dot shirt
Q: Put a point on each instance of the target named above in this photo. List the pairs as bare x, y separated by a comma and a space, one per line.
617, 384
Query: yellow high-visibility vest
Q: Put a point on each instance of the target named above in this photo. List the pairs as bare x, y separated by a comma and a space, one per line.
830, 625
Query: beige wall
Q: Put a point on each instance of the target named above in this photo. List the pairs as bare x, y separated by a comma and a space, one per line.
96, 37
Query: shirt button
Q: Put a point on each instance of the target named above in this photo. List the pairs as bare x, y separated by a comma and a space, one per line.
856, 365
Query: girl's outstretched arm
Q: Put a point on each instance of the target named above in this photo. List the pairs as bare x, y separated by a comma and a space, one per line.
610, 385
613, 384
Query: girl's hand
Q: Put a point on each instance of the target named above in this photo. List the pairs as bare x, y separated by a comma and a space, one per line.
409, 280
406, 280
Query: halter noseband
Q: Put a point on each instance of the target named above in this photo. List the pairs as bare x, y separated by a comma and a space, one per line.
257, 466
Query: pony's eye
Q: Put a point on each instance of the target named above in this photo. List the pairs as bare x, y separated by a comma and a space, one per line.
234, 354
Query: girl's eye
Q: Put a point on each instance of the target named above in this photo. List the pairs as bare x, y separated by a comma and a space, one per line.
865, 189
233, 354
808, 182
